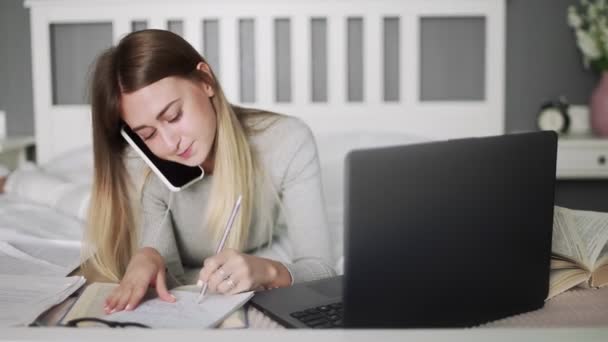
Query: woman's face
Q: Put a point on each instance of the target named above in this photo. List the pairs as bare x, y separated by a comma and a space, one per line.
174, 117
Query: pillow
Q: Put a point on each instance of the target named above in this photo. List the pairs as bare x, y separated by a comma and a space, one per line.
35, 185
75, 166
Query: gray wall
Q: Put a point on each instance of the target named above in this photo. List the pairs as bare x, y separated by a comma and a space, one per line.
542, 60
542, 63
16, 68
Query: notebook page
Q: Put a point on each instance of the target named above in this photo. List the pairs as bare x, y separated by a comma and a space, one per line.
185, 312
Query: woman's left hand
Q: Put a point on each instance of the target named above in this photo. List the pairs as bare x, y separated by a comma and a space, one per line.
231, 272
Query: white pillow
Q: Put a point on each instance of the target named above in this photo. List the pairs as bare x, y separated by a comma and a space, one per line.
333, 148
36, 185
75, 166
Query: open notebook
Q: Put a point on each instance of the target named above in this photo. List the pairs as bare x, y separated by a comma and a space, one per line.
155, 313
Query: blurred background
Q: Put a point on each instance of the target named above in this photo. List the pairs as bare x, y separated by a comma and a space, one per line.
542, 64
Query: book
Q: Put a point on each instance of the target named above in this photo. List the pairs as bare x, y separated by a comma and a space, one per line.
579, 250
216, 310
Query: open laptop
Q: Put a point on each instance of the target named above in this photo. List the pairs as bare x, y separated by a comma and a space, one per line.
442, 234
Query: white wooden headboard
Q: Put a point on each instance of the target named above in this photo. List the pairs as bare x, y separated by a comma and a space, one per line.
59, 128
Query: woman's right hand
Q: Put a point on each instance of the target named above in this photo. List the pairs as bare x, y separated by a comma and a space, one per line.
146, 268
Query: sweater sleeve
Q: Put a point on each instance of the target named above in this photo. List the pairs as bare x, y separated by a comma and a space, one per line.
306, 237
157, 229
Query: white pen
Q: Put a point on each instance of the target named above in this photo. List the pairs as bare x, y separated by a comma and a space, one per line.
220, 246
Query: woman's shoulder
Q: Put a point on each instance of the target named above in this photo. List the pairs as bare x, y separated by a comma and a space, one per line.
280, 140
279, 131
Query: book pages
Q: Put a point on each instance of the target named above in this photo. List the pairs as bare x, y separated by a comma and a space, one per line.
592, 228
564, 279
91, 303
185, 312
566, 241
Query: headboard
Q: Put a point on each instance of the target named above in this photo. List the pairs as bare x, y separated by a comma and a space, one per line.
345, 89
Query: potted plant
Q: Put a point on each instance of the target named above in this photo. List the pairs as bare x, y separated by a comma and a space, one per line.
589, 21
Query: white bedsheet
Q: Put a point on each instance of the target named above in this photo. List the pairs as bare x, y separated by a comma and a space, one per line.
43, 234
21, 219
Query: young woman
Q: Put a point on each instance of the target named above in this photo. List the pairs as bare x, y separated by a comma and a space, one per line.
157, 84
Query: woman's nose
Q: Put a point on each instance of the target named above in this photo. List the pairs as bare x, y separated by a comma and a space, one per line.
170, 140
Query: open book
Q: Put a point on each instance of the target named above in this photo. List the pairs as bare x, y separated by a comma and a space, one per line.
580, 250
155, 313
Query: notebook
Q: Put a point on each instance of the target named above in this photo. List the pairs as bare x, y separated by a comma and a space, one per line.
155, 313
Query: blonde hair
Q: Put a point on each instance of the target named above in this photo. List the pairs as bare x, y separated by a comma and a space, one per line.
142, 58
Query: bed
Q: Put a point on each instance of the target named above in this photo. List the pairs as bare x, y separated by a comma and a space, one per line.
362, 89
353, 70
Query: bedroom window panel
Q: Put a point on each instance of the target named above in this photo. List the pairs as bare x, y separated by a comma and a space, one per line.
176, 26
138, 25
354, 53
282, 48
452, 58
211, 46
74, 48
247, 59
391, 59
318, 57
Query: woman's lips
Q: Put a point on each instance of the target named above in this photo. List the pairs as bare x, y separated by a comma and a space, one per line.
186, 154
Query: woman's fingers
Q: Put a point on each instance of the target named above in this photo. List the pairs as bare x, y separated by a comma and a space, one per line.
217, 278
112, 299
145, 268
233, 285
136, 295
161, 287
123, 299
212, 264
238, 278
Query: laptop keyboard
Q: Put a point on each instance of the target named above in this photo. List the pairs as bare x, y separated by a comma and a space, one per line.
325, 316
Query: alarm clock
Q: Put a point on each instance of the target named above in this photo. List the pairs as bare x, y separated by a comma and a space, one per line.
553, 116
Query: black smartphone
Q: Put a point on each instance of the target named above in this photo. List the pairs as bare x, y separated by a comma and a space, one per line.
176, 176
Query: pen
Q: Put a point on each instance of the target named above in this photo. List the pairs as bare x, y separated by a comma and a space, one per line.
220, 246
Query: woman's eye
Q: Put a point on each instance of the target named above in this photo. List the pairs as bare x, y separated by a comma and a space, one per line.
176, 117
149, 136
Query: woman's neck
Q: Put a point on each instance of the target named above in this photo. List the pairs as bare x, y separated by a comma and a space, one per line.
209, 163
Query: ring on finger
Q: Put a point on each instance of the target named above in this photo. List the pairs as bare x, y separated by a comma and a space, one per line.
223, 273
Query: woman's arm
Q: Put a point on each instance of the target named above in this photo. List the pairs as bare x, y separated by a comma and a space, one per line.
157, 228
303, 244
301, 252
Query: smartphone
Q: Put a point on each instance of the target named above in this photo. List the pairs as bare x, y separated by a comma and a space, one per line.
174, 175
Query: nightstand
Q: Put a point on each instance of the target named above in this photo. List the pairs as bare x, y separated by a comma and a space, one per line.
13, 150
582, 157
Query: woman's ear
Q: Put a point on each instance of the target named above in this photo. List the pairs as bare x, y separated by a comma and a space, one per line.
208, 88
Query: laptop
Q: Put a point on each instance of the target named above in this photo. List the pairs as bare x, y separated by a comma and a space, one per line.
442, 234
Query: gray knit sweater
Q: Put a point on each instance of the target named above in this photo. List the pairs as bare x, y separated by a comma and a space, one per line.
287, 151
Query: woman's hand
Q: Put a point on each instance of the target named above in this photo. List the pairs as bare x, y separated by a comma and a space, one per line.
146, 268
231, 272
